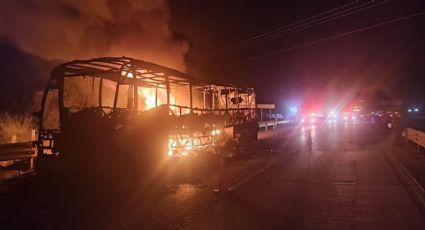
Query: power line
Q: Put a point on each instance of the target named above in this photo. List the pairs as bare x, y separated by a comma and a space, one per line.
294, 30
292, 24
334, 36
307, 23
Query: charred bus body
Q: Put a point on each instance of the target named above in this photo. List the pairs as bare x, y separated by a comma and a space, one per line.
111, 113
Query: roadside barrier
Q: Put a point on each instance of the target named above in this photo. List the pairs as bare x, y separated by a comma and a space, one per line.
415, 136
18, 151
273, 124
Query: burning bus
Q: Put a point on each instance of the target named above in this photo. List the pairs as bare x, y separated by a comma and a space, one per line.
122, 112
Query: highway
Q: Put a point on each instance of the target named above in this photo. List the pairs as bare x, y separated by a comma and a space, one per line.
346, 182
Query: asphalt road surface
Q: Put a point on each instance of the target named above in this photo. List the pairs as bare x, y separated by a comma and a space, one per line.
344, 182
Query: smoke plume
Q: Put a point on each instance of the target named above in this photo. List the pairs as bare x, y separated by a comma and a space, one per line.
79, 29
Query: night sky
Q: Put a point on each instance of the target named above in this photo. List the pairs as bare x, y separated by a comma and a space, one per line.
194, 36
386, 60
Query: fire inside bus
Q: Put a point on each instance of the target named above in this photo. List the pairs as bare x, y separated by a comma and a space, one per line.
111, 108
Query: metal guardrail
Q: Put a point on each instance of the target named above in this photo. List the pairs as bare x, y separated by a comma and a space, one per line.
273, 124
18, 151
415, 135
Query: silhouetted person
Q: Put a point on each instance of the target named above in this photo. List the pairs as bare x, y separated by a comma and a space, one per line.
309, 141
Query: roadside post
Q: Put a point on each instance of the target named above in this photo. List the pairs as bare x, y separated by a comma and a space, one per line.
223, 179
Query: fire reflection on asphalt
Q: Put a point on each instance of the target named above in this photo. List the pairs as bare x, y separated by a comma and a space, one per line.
185, 192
